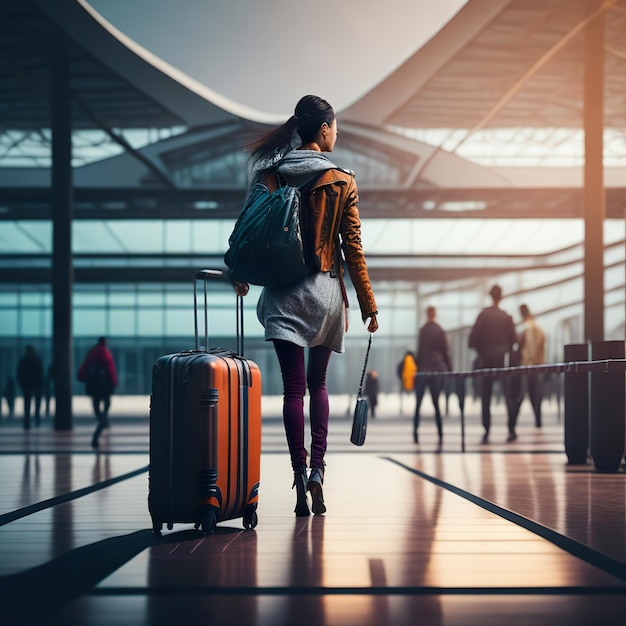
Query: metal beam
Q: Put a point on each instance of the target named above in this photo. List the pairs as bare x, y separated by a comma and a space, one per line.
594, 194
375, 203
62, 264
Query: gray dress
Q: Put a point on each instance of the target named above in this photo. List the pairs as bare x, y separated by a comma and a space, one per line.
310, 312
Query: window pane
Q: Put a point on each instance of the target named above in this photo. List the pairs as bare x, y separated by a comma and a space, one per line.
122, 322
91, 322
8, 322
150, 322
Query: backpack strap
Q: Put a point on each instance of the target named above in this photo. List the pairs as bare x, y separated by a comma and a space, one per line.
271, 180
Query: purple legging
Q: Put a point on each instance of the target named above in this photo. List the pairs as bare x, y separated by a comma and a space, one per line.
295, 382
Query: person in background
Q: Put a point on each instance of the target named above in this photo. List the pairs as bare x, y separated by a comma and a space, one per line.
371, 389
406, 370
311, 314
30, 380
433, 356
493, 337
99, 374
532, 345
9, 394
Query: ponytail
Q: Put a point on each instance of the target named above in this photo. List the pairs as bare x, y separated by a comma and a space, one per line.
274, 144
310, 113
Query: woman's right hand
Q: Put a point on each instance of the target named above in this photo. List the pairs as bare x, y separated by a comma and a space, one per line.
241, 288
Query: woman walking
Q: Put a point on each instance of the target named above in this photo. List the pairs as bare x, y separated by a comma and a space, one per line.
312, 313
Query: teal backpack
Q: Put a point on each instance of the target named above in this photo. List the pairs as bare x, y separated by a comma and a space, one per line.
266, 246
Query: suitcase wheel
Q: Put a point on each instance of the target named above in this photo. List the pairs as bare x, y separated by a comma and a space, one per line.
208, 521
250, 520
156, 528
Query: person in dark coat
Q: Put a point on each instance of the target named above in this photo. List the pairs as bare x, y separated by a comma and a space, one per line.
433, 355
30, 379
100, 377
493, 337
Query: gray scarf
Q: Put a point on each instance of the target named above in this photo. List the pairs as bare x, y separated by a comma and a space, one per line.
299, 166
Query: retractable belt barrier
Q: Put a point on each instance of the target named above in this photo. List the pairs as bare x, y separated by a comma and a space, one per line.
605, 366
594, 400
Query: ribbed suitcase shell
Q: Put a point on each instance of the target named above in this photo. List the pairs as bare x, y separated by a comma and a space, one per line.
205, 439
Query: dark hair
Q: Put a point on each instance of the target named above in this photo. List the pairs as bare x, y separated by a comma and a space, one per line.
496, 292
310, 113
524, 310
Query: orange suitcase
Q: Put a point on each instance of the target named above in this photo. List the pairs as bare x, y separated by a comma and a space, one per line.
205, 433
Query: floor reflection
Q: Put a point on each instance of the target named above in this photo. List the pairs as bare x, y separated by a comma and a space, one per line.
606, 530
427, 502
101, 468
62, 531
184, 561
31, 480
306, 569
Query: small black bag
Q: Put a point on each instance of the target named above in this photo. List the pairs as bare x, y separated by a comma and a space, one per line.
359, 421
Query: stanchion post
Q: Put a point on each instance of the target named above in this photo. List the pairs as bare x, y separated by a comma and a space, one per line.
607, 421
576, 406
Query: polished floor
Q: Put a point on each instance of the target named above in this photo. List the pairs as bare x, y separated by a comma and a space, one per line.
500, 534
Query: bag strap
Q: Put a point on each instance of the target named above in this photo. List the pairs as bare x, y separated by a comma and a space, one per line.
339, 270
367, 353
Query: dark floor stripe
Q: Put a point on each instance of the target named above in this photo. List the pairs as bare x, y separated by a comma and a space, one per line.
357, 591
73, 495
593, 557
57, 452
31, 597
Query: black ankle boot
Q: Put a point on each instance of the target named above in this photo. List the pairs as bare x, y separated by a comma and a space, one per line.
299, 482
314, 485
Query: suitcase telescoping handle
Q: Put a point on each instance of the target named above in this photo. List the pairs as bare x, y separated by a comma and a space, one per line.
212, 274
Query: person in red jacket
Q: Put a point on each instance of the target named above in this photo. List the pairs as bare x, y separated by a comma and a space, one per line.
100, 377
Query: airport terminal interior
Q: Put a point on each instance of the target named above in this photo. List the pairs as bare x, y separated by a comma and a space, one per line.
496, 153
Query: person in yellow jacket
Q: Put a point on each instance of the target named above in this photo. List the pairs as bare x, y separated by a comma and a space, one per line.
407, 368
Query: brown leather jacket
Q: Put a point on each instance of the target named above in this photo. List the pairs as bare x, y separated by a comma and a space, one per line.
332, 204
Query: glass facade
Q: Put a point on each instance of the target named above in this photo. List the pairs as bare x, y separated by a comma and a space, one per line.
537, 262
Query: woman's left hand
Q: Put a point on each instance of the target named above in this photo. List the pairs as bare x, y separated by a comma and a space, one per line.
372, 327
